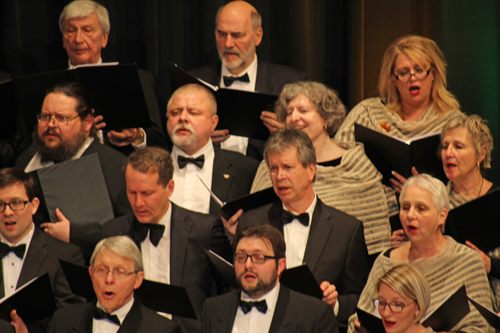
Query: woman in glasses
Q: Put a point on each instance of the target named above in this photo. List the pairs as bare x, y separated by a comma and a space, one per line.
403, 299
446, 264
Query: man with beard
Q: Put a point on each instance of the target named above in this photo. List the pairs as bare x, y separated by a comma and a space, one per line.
66, 131
263, 305
191, 119
238, 32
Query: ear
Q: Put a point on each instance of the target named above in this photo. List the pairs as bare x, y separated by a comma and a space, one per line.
281, 266
88, 122
91, 272
258, 36
34, 205
215, 121
481, 156
311, 171
104, 40
170, 187
138, 279
443, 214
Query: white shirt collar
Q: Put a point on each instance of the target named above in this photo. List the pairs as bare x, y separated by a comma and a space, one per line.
271, 297
252, 75
206, 150
309, 210
70, 66
122, 312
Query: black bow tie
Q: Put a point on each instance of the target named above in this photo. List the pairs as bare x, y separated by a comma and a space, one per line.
288, 217
19, 250
155, 232
101, 314
183, 161
228, 80
247, 306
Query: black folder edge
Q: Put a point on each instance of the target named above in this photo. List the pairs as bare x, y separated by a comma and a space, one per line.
250, 201
370, 321
475, 230
491, 317
157, 296
449, 313
224, 267
33, 301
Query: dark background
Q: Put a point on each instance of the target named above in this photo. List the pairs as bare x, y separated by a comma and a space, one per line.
337, 42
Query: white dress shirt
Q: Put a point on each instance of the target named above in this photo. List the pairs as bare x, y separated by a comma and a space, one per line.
12, 264
256, 321
234, 142
36, 162
106, 326
189, 191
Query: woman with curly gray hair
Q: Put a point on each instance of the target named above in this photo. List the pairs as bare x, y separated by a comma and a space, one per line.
345, 177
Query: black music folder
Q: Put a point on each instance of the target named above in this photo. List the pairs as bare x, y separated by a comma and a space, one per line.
239, 111
477, 222
491, 317
116, 93
157, 296
389, 154
33, 301
224, 267
453, 309
78, 189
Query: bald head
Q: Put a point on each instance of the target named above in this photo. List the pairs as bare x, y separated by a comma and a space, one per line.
238, 32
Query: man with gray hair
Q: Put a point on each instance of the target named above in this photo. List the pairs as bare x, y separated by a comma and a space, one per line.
330, 242
238, 32
85, 27
116, 271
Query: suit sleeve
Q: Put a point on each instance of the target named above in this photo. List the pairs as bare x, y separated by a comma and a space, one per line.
326, 321
86, 237
62, 291
355, 274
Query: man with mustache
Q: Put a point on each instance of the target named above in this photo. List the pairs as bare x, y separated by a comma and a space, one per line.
238, 32
191, 119
66, 131
263, 305
330, 242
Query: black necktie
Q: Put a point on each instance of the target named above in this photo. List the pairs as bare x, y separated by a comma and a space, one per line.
247, 306
288, 217
183, 161
155, 232
228, 80
19, 250
101, 314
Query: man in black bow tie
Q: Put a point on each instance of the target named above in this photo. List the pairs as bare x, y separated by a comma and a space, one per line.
263, 304
26, 251
192, 117
238, 33
329, 241
116, 270
171, 239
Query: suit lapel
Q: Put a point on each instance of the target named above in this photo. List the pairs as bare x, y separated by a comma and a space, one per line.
262, 81
279, 321
222, 177
34, 258
274, 215
133, 320
179, 238
224, 321
321, 228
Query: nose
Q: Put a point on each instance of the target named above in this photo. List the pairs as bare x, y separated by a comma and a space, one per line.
139, 200
386, 312
79, 36
294, 116
52, 122
229, 43
110, 278
249, 262
183, 116
8, 211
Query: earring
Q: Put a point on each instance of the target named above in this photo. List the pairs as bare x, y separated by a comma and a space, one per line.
326, 127
417, 312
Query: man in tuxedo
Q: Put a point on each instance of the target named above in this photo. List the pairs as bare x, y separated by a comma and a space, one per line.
26, 251
238, 32
85, 28
192, 118
263, 305
116, 270
329, 241
66, 131
172, 239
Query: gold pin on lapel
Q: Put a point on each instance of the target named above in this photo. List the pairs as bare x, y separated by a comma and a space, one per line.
226, 176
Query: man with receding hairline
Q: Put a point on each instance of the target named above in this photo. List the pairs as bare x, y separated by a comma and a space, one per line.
191, 119
238, 32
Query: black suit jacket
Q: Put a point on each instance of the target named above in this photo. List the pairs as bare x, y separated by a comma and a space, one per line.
42, 257
335, 250
6, 327
79, 318
271, 78
232, 176
190, 266
294, 312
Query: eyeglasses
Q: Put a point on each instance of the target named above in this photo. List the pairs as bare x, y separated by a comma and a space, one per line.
396, 307
419, 74
58, 120
103, 272
256, 258
285, 173
15, 205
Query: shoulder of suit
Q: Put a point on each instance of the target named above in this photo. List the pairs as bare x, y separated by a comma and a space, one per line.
338, 214
150, 315
237, 157
124, 220
57, 246
309, 303
193, 215
222, 300
105, 151
283, 70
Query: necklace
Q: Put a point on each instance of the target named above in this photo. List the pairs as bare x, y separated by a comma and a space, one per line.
482, 182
